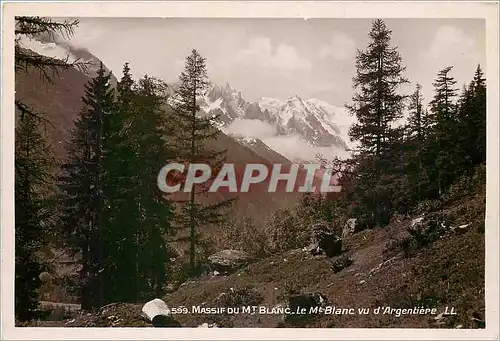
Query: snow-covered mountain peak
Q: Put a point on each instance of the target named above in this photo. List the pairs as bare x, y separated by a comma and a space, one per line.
313, 120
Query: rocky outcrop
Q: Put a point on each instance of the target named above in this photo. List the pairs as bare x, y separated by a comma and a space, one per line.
352, 226
228, 261
427, 229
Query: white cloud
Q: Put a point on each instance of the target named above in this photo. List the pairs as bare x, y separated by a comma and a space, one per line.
260, 52
342, 47
292, 147
450, 41
250, 128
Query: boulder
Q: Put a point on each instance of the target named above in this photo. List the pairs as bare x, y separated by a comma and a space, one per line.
460, 229
429, 228
159, 314
323, 240
227, 261
353, 225
313, 249
331, 245
416, 225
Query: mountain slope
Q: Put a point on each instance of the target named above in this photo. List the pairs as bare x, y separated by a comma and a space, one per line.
447, 273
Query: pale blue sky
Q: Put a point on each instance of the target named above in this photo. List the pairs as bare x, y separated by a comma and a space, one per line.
279, 58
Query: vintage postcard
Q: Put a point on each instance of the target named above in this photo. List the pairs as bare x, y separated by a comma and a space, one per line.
302, 170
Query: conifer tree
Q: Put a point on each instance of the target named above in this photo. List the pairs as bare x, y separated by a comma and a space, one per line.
471, 123
33, 212
83, 188
191, 143
418, 129
377, 104
29, 62
443, 114
479, 104
418, 122
148, 131
33, 193
120, 180
466, 132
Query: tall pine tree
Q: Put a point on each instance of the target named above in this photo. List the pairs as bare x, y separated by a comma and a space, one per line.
33, 204
148, 130
418, 131
83, 188
123, 223
418, 121
479, 104
379, 74
376, 105
443, 114
33, 212
192, 138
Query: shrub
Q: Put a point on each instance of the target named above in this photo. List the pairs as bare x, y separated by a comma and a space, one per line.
242, 235
403, 243
427, 206
285, 231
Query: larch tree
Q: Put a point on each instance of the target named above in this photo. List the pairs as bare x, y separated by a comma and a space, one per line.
192, 145
377, 104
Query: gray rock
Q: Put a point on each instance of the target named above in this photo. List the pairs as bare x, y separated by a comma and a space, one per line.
158, 313
353, 225
227, 261
416, 225
313, 249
